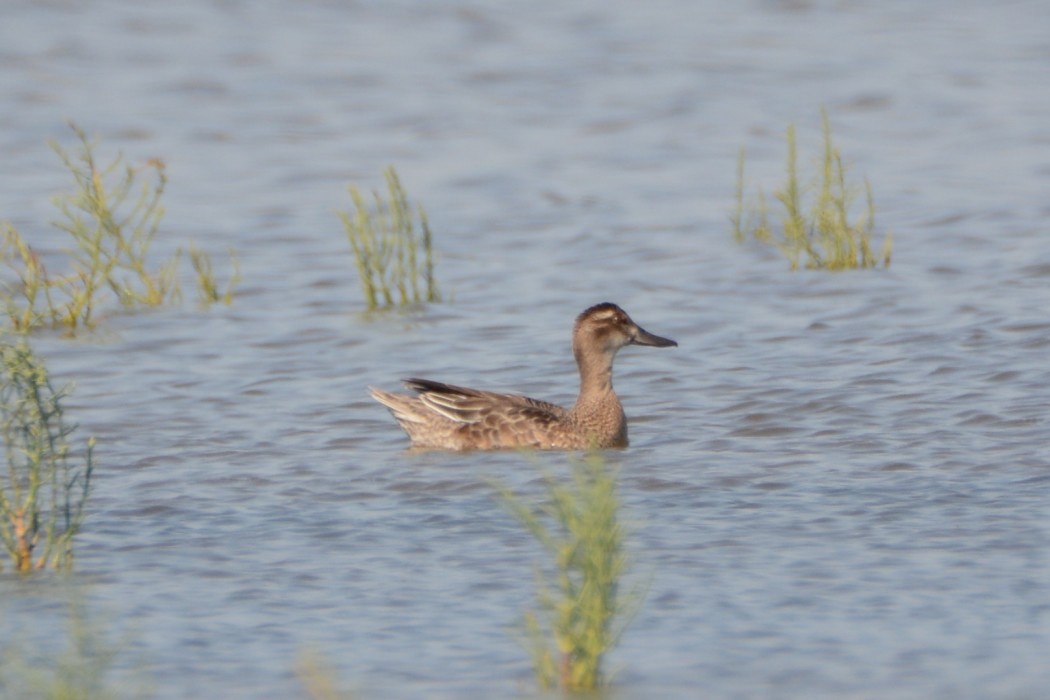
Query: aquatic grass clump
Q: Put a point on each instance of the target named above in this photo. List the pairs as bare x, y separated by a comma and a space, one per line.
826, 237
45, 488
579, 527
112, 216
395, 263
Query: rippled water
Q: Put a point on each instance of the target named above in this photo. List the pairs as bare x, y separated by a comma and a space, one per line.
838, 483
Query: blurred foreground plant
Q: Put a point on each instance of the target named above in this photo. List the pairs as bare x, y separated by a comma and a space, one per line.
318, 678
43, 493
826, 238
580, 601
392, 258
112, 216
84, 664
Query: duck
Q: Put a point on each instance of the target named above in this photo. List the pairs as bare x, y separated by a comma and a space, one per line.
449, 417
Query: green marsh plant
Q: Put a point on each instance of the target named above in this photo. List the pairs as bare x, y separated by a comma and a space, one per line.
45, 487
824, 235
394, 254
208, 291
582, 607
112, 217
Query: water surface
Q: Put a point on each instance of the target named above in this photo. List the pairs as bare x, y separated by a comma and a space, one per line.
838, 483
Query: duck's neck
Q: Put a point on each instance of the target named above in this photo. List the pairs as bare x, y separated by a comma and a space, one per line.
595, 376
598, 414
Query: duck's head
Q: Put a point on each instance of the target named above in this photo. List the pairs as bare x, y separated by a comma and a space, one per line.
606, 328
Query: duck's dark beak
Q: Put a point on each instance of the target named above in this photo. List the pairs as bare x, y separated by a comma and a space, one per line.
644, 337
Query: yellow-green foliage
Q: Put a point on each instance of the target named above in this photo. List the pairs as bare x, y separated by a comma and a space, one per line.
394, 262
579, 526
825, 237
44, 490
207, 286
112, 216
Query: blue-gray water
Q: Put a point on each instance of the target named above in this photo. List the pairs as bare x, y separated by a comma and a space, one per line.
838, 484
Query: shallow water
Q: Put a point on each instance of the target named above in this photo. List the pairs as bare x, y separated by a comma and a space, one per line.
838, 483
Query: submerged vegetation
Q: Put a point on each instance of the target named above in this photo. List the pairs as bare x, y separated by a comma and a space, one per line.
394, 262
45, 487
824, 237
112, 216
580, 600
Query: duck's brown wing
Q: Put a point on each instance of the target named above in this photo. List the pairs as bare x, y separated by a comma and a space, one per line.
465, 405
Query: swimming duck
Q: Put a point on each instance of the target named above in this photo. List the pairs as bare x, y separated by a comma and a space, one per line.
444, 416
